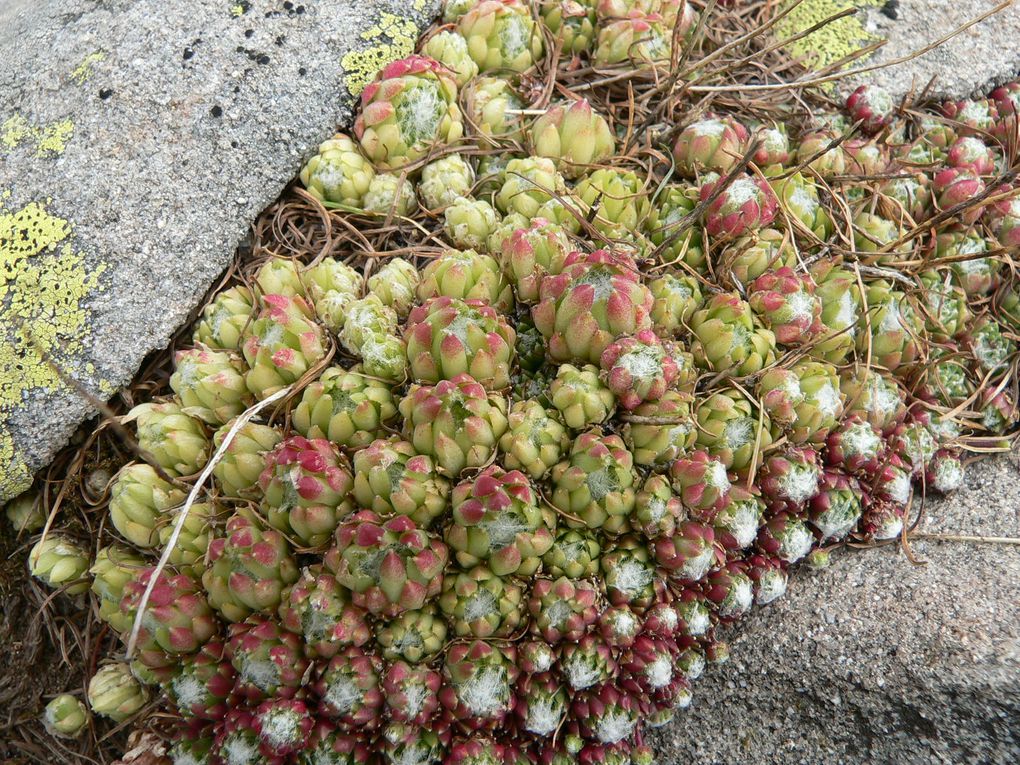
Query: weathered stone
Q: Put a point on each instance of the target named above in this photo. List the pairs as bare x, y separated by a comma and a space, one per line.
137, 142
971, 63
876, 659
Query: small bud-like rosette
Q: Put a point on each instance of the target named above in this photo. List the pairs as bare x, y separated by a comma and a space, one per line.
389, 566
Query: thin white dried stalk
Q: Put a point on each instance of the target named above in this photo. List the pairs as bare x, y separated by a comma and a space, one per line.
182, 516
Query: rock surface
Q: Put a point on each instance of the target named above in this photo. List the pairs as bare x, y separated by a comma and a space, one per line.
971, 63
138, 139
876, 659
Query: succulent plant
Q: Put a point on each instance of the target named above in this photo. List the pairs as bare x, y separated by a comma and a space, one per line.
225, 318
115, 693
501, 35
58, 561
639, 40
249, 567
319, 609
469, 223
594, 486
727, 338
389, 566
238, 470
338, 172
465, 275
175, 441
390, 477
574, 135
638, 368
305, 487
281, 344
410, 108
535, 439
712, 144
595, 300
447, 337
456, 422
65, 716
515, 530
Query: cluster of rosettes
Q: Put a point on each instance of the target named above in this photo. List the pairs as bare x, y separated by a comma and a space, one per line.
517, 488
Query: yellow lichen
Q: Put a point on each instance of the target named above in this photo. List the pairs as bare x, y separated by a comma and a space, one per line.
833, 41
84, 69
396, 38
15, 131
43, 285
50, 140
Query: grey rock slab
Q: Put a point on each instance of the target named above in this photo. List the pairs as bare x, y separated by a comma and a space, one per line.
138, 139
876, 659
971, 63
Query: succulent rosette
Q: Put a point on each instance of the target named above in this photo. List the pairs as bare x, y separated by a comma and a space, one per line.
447, 337
389, 566
615, 201
787, 304
896, 330
318, 609
409, 109
305, 488
727, 339
481, 604
689, 553
210, 384
350, 691
571, 21
836, 507
177, 618
789, 479
658, 432
496, 520
347, 407
732, 429
957, 187
676, 297
390, 477
479, 689
501, 35
562, 609
595, 300
456, 422
140, 501
573, 554
744, 205
673, 230
746, 259
712, 144
268, 659
249, 567
532, 253
641, 40
224, 319
638, 368
469, 223
701, 481
594, 487
786, 537
736, 523
281, 345
574, 135
338, 172
60, 562
173, 439
535, 439
872, 106
805, 401
466, 275
450, 49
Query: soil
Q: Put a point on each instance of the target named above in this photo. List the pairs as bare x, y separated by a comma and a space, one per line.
48, 645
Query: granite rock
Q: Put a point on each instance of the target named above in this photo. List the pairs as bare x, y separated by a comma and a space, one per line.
138, 140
